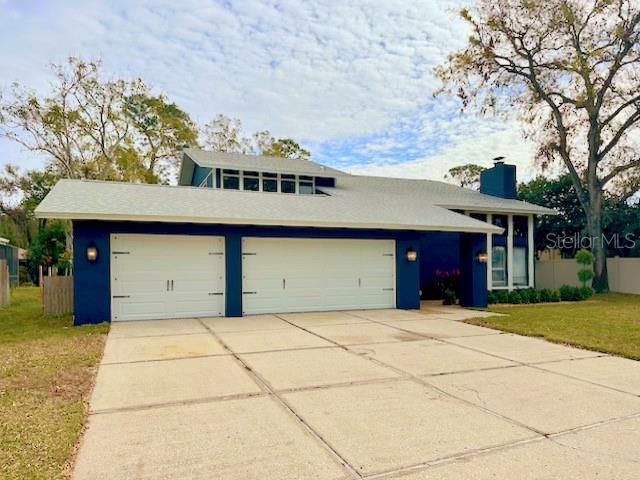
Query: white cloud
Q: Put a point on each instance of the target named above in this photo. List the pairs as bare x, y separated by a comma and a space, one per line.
319, 71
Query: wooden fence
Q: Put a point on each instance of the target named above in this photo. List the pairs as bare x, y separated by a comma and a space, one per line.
57, 295
5, 296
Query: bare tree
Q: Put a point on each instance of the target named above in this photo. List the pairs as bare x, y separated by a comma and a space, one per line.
97, 128
571, 69
225, 134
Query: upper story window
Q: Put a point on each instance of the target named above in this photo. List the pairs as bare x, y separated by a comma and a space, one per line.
305, 185
254, 181
251, 181
231, 179
269, 182
288, 183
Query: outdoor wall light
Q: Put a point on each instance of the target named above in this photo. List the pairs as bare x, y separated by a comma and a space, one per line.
482, 257
411, 255
92, 253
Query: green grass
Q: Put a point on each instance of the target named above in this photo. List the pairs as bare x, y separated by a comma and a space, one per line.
608, 323
47, 368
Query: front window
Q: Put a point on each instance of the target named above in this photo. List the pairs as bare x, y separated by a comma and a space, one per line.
520, 266
499, 266
520, 226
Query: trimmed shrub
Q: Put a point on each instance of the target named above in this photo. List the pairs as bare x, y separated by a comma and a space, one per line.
569, 293
533, 296
585, 258
555, 296
449, 297
515, 297
503, 296
546, 295
586, 292
492, 297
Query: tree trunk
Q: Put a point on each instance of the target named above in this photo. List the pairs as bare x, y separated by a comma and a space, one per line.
594, 225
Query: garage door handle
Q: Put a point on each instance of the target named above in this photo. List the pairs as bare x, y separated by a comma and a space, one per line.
172, 285
359, 282
167, 285
284, 283
122, 296
215, 293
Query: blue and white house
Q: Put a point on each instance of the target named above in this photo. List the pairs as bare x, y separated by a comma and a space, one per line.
244, 235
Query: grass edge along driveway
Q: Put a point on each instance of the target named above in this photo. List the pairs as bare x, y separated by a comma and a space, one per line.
608, 323
47, 369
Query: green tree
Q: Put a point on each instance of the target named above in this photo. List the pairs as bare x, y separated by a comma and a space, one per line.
162, 129
560, 195
286, 148
571, 71
49, 248
467, 176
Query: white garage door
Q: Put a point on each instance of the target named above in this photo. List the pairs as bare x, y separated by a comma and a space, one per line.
166, 276
301, 275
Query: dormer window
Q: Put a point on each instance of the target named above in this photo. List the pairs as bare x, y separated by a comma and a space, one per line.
231, 179
306, 185
251, 181
269, 182
288, 183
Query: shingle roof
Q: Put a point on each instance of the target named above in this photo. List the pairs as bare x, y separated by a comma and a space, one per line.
438, 193
239, 161
352, 205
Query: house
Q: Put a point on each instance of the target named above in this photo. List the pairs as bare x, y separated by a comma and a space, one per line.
245, 235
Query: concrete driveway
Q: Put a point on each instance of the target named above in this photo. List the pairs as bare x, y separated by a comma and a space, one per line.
364, 394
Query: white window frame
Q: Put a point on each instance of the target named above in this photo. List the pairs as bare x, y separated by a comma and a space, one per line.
238, 175
530, 251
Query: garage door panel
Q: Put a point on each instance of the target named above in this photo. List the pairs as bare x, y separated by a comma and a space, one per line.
319, 274
143, 266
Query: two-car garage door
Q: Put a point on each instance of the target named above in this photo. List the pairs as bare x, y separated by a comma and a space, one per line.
179, 276
298, 275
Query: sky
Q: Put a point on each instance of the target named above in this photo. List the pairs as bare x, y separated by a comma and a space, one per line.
350, 80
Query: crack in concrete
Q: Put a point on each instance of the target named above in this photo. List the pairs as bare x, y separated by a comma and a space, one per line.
268, 390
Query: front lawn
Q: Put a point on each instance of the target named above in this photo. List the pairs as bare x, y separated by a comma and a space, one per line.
607, 323
47, 368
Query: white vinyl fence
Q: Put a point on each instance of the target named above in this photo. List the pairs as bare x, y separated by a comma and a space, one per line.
624, 274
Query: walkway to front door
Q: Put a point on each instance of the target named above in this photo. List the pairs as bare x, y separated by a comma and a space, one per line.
351, 395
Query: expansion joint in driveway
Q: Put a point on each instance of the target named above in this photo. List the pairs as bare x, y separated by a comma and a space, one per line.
418, 379
264, 385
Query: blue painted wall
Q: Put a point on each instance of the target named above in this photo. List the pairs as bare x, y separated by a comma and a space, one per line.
438, 251
473, 274
499, 181
199, 174
92, 296
91, 280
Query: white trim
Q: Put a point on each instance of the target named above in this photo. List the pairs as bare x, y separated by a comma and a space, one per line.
510, 252
250, 221
489, 255
531, 251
